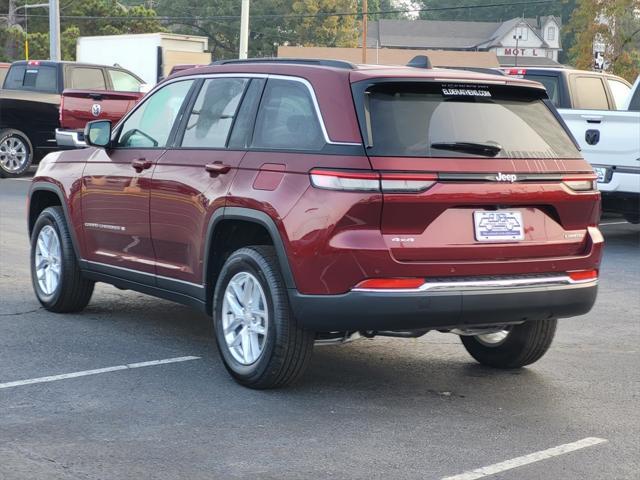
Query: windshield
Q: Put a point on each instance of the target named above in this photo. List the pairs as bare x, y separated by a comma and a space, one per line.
408, 119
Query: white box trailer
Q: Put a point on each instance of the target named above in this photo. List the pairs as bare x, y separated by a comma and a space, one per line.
149, 55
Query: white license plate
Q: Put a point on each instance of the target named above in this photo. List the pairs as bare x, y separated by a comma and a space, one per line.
601, 172
498, 226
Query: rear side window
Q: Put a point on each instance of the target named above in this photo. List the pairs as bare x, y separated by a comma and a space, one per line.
410, 119
213, 113
123, 82
87, 79
620, 92
590, 94
551, 84
287, 118
37, 78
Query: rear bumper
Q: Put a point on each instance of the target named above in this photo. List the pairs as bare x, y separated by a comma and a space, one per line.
442, 308
70, 138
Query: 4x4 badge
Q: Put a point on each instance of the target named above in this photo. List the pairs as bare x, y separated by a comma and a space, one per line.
505, 177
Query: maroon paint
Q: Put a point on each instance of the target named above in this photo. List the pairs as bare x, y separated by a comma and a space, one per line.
333, 240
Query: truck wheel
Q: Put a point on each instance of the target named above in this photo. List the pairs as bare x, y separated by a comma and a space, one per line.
259, 340
55, 274
16, 153
515, 347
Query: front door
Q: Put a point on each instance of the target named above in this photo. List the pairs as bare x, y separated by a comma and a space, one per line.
191, 181
116, 183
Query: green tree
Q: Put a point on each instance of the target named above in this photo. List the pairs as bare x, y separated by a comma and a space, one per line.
613, 23
115, 19
323, 30
272, 23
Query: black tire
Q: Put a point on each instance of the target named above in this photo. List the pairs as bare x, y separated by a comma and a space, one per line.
10, 135
287, 348
525, 344
73, 291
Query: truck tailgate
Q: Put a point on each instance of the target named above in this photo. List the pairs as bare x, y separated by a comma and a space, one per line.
81, 106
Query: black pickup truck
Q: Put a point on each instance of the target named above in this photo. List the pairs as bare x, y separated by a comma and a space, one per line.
30, 105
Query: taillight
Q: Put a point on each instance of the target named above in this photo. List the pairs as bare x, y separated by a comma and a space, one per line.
516, 71
363, 181
390, 283
60, 110
583, 275
33, 62
581, 183
345, 180
407, 182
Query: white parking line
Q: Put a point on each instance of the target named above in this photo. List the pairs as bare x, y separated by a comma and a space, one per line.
21, 179
613, 223
527, 459
84, 373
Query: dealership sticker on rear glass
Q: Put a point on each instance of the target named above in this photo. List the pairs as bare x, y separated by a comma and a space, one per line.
466, 92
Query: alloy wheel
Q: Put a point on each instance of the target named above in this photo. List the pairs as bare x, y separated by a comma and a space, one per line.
48, 260
245, 318
493, 339
13, 154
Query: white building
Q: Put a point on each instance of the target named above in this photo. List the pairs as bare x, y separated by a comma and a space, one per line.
529, 41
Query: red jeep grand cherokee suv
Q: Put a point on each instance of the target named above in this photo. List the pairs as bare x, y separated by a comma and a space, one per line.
313, 201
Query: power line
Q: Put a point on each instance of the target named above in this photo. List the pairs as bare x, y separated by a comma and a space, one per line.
289, 16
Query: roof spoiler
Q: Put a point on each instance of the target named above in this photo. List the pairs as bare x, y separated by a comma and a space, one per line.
420, 61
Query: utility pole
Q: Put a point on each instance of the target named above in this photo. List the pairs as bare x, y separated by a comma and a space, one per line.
11, 17
54, 30
364, 31
244, 30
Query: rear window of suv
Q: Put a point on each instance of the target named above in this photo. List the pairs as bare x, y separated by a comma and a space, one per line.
411, 119
37, 78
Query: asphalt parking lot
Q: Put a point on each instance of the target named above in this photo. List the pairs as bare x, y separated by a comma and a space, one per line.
383, 408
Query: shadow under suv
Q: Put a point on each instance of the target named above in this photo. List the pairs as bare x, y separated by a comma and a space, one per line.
315, 201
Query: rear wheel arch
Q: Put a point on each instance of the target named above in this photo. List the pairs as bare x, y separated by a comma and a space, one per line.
232, 228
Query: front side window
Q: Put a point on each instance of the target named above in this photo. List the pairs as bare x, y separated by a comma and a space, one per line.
634, 104
87, 79
123, 82
150, 125
410, 119
287, 118
620, 92
213, 113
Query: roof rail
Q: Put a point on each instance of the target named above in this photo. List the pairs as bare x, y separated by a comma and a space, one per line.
290, 61
420, 61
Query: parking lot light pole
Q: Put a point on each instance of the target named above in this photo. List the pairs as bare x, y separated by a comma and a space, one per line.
244, 30
54, 30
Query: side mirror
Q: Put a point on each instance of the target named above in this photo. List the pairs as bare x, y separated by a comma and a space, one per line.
98, 133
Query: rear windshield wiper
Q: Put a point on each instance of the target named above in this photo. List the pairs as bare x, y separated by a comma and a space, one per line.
488, 149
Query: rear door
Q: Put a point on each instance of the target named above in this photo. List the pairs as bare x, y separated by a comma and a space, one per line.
468, 166
192, 179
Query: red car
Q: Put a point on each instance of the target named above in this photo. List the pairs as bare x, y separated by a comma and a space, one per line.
315, 201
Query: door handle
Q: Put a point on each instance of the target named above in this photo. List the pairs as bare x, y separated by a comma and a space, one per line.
217, 168
140, 164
